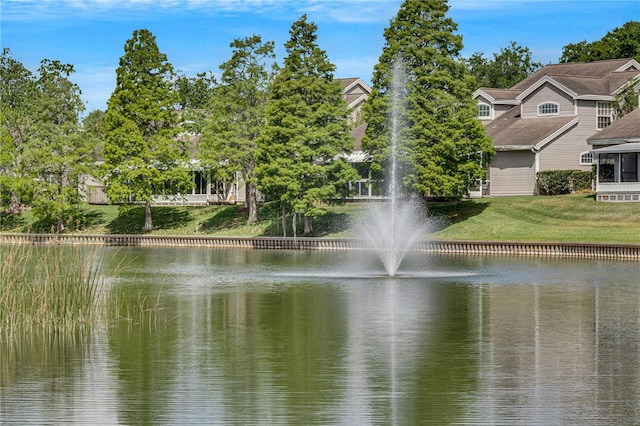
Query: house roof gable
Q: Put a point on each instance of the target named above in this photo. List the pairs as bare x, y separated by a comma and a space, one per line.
354, 100
543, 81
349, 83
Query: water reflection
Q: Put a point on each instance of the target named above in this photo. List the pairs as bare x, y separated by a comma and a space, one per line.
255, 337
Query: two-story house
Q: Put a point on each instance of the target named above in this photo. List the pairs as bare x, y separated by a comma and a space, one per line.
551, 121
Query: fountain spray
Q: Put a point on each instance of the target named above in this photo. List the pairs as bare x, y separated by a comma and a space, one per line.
393, 228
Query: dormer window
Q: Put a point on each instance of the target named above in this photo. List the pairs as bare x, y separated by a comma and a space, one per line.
548, 108
484, 111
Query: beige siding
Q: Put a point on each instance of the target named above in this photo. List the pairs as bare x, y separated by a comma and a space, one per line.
547, 93
564, 152
512, 173
588, 119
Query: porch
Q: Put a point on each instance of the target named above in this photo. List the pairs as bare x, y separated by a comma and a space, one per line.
618, 173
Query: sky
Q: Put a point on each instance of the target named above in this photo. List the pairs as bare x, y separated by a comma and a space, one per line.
195, 34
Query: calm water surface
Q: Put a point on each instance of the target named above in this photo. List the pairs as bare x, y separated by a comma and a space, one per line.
270, 337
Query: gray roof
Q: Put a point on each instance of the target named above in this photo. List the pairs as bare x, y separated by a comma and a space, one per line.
345, 82
509, 131
594, 78
501, 94
622, 130
621, 148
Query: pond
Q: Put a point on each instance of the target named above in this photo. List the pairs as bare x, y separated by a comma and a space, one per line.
288, 337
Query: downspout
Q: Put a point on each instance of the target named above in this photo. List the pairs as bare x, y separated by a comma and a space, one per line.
536, 168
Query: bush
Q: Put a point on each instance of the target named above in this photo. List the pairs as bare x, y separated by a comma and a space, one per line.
556, 182
581, 180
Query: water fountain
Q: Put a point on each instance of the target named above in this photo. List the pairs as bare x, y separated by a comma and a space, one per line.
391, 229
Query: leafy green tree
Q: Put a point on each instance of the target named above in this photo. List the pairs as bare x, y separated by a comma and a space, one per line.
443, 147
142, 154
61, 153
17, 127
237, 118
507, 68
194, 95
195, 92
622, 42
300, 150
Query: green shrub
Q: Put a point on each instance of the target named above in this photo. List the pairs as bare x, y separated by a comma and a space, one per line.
556, 182
581, 180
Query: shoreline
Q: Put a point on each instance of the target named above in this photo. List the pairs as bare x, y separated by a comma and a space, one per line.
458, 247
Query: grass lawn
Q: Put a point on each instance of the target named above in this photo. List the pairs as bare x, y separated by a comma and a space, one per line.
565, 218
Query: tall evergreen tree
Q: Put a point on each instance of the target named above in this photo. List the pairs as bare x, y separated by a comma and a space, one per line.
194, 92
444, 148
142, 154
307, 130
230, 138
194, 95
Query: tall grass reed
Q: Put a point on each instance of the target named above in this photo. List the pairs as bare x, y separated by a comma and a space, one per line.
50, 287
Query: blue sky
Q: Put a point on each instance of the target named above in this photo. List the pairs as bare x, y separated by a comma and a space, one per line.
195, 34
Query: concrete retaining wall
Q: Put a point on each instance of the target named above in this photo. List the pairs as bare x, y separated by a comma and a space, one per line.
578, 250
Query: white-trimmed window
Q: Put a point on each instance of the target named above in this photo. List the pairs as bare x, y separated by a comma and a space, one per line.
484, 111
548, 108
604, 114
586, 158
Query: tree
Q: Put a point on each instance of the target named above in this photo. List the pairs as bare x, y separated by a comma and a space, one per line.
306, 132
61, 153
627, 99
507, 68
17, 127
142, 154
94, 128
194, 92
237, 116
444, 148
43, 154
623, 42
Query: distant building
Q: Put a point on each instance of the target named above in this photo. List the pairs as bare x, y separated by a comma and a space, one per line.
207, 191
562, 117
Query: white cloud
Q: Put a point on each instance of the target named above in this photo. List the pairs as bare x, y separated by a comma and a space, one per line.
33, 9
350, 11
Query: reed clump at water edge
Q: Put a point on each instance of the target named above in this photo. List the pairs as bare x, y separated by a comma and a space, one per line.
54, 287
61, 289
